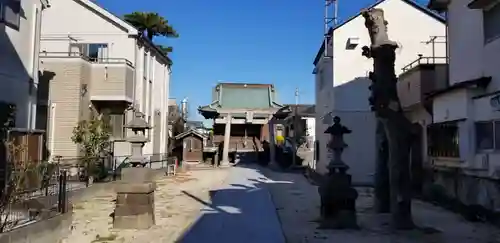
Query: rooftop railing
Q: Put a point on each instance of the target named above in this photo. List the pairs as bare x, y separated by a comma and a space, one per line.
425, 60
86, 57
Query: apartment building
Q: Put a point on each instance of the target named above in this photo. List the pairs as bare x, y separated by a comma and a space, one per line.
20, 23
342, 81
93, 60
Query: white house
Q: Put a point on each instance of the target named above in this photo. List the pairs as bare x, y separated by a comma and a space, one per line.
19, 42
345, 94
467, 113
100, 61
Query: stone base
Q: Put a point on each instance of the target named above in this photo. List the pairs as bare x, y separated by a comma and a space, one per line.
134, 206
344, 220
134, 217
137, 175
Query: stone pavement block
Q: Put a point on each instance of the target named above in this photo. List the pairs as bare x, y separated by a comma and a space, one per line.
124, 187
135, 198
138, 219
137, 174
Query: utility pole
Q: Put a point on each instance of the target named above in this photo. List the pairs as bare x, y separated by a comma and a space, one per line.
295, 127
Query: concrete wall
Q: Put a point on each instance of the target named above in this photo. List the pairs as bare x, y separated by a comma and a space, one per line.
49, 230
351, 102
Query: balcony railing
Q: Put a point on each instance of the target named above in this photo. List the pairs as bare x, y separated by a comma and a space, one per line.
424, 75
425, 60
86, 58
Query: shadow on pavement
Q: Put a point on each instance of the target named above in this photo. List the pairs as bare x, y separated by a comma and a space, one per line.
241, 211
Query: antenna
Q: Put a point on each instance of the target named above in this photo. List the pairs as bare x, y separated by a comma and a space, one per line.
296, 96
330, 20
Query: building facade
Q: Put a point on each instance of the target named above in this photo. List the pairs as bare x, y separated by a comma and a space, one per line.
466, 113
111, 69
342, 82
241, 114
20, 25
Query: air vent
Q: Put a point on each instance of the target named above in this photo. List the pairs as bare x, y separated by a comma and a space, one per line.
352, 42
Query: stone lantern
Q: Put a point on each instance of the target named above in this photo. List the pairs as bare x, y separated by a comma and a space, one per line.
338, 197
139, 126
135, 194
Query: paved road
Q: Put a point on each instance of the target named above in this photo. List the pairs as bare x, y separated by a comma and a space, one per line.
241, 211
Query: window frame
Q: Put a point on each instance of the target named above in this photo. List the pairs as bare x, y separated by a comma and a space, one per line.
85, 49
495, 147
123, 124
433, 149
3, 20
488, 38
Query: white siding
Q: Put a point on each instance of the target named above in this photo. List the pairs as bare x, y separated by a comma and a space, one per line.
73, 18
346, 94
19, 61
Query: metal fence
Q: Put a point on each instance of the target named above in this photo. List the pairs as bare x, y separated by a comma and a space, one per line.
32, 195
43, 191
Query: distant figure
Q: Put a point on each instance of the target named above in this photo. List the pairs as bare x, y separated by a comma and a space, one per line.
266, 155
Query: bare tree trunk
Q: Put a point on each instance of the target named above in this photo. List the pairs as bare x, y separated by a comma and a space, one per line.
393, 166
382, 195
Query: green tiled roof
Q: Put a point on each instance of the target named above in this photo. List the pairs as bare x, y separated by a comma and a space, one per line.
240, 96
245, 98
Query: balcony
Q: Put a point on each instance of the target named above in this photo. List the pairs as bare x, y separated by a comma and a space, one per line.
421, 77
112, 80
105, 79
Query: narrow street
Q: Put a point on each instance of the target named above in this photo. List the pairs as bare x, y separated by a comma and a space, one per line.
251, 204
240, 211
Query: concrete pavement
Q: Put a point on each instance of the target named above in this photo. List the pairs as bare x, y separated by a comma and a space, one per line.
240, 211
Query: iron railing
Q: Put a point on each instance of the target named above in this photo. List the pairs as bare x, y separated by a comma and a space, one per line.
86, 58
425, 60
33, 195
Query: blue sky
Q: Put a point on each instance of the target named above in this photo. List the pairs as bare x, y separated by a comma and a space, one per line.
256, 41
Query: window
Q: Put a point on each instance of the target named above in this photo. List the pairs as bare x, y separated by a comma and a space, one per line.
321, 80
96, 52
443, 140
491, 18
10, 12
117, 125
487, 135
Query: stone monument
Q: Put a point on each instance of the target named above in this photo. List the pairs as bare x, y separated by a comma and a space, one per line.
135, 194
338, 197
392, 177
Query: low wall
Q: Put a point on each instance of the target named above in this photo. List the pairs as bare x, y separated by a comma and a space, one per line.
50, 230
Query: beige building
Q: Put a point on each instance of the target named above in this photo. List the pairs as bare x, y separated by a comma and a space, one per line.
112, 68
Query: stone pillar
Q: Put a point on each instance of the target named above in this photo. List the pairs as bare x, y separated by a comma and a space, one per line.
135, 199
227, 136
